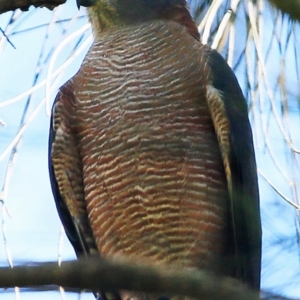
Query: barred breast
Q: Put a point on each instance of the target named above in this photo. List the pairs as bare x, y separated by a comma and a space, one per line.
153, 174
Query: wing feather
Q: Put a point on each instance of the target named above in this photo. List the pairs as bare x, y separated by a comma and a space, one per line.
245, 213
66, 177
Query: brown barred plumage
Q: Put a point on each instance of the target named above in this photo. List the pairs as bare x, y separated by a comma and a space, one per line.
142, 159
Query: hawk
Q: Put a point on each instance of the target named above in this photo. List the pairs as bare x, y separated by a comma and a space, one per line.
151, 154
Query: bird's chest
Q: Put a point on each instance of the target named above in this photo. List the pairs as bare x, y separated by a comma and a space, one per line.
154, 179
141, 89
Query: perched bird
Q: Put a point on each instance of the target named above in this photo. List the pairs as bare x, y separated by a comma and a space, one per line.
151, 155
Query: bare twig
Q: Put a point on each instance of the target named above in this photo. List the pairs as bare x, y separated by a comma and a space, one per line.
291, 7
25, 4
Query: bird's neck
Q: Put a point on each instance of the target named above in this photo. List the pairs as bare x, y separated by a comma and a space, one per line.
110, 14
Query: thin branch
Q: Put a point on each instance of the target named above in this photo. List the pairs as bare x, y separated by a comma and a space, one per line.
25, 4
291, 7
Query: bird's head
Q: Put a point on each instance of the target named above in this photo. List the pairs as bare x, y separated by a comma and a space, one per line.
111, 13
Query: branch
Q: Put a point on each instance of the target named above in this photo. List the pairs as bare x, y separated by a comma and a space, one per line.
291, 7
7, 5
97, 274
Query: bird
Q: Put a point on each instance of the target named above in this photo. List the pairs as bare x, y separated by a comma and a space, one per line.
151, 152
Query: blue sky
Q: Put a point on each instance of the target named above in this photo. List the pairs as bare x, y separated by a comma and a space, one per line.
31, 225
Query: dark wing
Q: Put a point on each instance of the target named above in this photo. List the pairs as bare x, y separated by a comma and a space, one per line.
245, 213
65, 168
